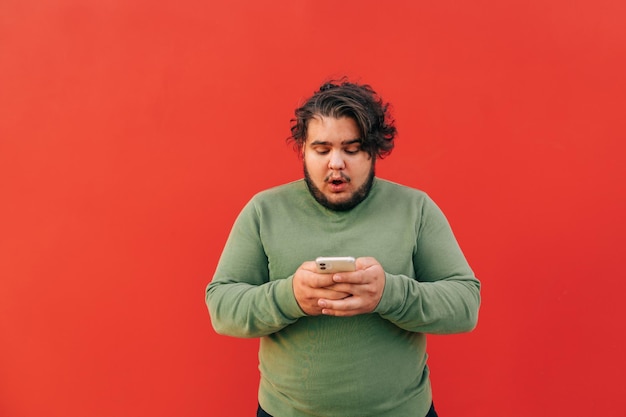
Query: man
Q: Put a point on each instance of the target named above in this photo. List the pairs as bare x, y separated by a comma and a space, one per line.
349, 343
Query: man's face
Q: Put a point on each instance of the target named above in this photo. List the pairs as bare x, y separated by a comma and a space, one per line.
338, 172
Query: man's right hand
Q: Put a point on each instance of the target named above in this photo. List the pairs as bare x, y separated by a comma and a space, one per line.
309, 287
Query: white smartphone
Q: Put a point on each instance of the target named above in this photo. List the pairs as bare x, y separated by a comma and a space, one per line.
332, 264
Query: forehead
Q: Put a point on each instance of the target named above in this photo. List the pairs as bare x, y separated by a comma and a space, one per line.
332, 129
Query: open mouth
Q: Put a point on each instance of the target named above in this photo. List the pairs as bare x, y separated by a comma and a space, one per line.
337, 179
337, 185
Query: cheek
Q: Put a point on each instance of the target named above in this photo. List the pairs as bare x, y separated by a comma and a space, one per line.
314, 164
315, 168
363, 169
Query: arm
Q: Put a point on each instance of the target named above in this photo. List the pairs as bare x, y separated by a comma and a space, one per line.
241, 299
445, 296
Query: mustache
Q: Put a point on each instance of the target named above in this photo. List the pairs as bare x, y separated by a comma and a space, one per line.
341, 174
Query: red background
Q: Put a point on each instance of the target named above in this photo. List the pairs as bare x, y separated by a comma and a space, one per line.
132, 133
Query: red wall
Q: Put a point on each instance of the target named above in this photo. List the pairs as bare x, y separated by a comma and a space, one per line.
132, 132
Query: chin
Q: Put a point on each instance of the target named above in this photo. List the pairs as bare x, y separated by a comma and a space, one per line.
333, 199
342, 201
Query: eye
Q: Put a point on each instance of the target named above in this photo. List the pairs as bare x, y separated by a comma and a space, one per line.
321, 151
352, 151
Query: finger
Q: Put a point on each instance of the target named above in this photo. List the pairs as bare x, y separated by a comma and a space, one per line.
308, 266
340, 313
342, 287
315, 280
365, 262
328, 294
356, 277
342, 305
321, 280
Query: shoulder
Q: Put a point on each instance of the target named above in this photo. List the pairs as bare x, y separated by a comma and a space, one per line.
280, 199
283, 191
402, 198
271, 202
390, 189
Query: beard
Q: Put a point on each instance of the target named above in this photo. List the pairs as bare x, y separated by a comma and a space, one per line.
354, 200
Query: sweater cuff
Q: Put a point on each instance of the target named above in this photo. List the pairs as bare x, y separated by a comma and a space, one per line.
286, 299
392, 294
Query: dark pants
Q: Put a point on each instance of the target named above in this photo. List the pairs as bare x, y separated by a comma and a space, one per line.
261, 413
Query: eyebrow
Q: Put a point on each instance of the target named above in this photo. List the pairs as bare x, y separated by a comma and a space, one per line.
344, 143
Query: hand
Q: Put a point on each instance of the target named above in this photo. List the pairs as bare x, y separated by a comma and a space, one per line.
366, 286
309, 287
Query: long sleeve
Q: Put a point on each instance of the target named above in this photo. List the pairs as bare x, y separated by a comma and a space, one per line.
429, 289
241, 299
445, 295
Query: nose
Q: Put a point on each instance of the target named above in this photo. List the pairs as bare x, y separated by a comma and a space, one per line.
336, 161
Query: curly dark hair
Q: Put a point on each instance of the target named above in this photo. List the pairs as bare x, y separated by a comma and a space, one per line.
346, 99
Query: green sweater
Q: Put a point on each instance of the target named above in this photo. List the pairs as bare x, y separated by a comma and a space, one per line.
367, 365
